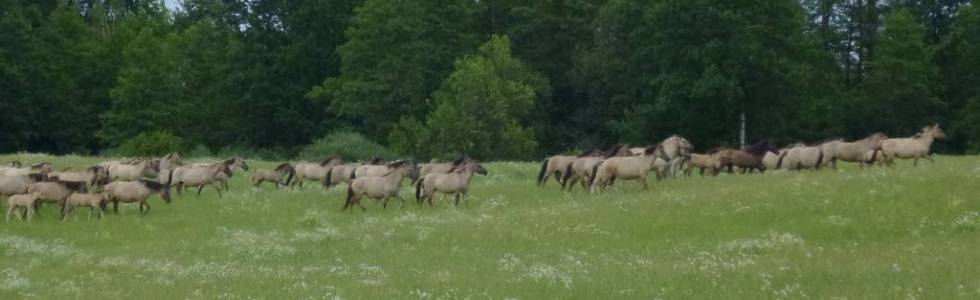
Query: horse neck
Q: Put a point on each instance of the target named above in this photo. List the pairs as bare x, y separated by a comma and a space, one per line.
927, 138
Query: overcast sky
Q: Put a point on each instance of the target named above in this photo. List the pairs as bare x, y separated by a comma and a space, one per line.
172, 4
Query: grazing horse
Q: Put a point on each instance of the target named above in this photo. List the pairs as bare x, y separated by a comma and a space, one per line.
383, 187
748, 158
27, 202
914, 147
554, 165
580, 170
282, 174
136, 191
800, 156
315, 171
94, 176
856, 151
626, 168
455, 182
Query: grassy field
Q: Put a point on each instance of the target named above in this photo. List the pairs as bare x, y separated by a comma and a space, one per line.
849, 234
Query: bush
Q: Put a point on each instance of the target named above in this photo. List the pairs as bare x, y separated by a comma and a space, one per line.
349, 145
153, 143
199, 151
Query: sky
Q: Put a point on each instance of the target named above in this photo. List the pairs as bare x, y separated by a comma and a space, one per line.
172, 4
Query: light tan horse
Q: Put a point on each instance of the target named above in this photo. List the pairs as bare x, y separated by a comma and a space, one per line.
456, 182
55, 191
94, 176
382, 187
314, 171
199, 177
912, 148
677, 149
125, 172
851, 151
626, 168
28, 202
92, 201
13, 185
136, 191
39, 168
580, 170
281, 175
339, 173
233, 164
554, 166
800, 156
703, 162
374, 167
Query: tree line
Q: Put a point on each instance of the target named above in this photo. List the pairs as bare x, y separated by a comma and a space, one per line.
498, 79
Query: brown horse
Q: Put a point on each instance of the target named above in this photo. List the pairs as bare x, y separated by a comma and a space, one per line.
748, 158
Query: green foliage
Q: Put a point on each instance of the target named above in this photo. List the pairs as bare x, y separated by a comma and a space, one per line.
349, 145
396, 54
480, 109
898, 94
154, 143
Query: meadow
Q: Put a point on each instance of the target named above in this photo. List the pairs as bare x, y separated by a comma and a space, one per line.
908, 232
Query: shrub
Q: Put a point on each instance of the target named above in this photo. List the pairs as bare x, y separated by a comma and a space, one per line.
153, 143
350, 145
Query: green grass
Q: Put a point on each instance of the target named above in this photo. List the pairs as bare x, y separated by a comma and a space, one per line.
850, 234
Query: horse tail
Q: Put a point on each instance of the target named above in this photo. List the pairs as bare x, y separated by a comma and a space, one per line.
170, 177
544, 168
566, 176
819, 160
874, 157
418, 190
779, 164
595, 169
326, 179
292, 172
350, 195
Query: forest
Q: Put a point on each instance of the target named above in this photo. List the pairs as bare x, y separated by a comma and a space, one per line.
496, 79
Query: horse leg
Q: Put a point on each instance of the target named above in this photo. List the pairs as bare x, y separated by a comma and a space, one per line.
457, 199
219, 190
224, 184
915, 161
403, 202
384, 203
643, 180
115, 206
930, 159
147, 208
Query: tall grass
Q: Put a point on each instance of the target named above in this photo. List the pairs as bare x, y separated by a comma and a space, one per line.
849, 234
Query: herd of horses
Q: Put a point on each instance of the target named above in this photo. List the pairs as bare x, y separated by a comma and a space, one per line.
597, 169
135, 180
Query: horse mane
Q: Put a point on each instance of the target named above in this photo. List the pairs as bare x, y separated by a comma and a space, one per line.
829, 140
329, 159
759, 148
94, 169
459, 162
716, 150
74, 185
376, 161
282, 166
396, 164
152, 185
39, 165
614, 150
589, 152
652, 149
